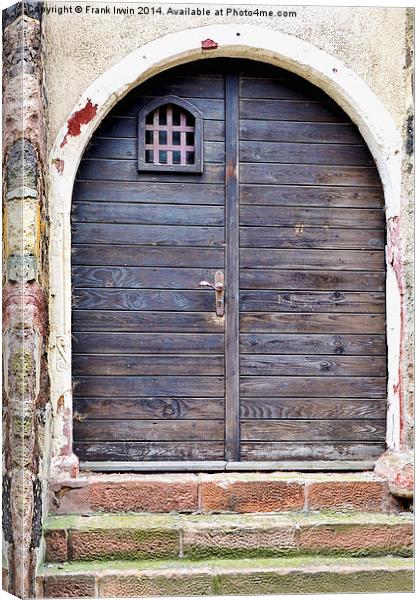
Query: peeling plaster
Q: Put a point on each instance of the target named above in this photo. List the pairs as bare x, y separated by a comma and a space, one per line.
75, 122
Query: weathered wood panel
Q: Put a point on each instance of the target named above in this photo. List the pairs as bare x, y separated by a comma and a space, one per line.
318, 450
140, 277
304, 365
273, 216
290, 110
136, 191
153, 451
306, 431
148, 214
304, 174
330, 387
311, 237
143, 322
168, 407
268, 322
126, 127
341, 344
312, 280
149, 431
148, 364
341, 260
164, 235
312, 196
312, 408
296, 301
150, 343
170, 385
115, 299
149, 256
300, 153
295, 132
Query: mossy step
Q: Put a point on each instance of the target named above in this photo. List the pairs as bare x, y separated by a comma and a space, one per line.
142, 536
299, 575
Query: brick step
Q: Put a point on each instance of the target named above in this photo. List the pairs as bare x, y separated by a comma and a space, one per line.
301, 575
220, 493
147, 536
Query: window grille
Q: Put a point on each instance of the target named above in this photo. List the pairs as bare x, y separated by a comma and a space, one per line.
170, 136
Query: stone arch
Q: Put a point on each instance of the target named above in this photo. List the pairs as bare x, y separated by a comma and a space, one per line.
234, 41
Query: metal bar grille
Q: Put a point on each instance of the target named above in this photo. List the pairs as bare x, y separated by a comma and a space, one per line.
161, 152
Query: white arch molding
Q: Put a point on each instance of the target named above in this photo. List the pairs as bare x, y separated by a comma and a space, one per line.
235, 41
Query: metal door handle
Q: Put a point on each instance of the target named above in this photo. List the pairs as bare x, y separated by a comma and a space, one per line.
219, 288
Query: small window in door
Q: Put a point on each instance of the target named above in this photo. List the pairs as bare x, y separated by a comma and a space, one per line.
170, 136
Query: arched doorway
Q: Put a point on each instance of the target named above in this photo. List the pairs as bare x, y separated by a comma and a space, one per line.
289, 207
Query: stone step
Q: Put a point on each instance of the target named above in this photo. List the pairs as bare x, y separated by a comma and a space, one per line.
147, 536
220, 493
299, 575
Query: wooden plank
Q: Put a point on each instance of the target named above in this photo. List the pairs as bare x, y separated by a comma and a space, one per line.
303, 174
158, 235
151, 300
267, 322
348, 260
311, 387
126, 127
170, 385
312, 280
311, 237
311, 196
135, 191
126, 170
283, 131
149, 408
149, 431
310, 430
278, 89
148, 214
126, 148
147, 256
183, 86
140, 277
211, 108
266, 216
148, 364
291, 110
232, 267
284, 451
282, 343
307, 365
312, 408
142, 321
322, 302
150, 343
300, 153
153, 451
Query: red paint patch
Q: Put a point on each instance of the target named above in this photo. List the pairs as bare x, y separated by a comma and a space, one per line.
209, 44
59, 165
79, 118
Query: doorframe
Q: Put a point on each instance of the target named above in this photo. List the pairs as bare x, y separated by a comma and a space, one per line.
262, 44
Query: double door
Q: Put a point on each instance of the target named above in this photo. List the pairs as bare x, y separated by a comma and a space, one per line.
286, 359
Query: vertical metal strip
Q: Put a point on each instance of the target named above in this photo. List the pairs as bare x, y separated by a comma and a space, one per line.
232, 440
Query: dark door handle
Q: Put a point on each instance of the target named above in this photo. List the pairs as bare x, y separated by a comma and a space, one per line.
219, 288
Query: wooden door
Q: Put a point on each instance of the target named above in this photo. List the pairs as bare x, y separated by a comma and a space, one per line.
290, 207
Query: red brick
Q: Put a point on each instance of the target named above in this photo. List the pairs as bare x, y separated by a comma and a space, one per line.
369, 496
69, 586
144, 496
251, 496
56, 545
358, 540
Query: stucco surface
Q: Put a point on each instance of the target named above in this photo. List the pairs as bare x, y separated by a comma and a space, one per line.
79, 48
